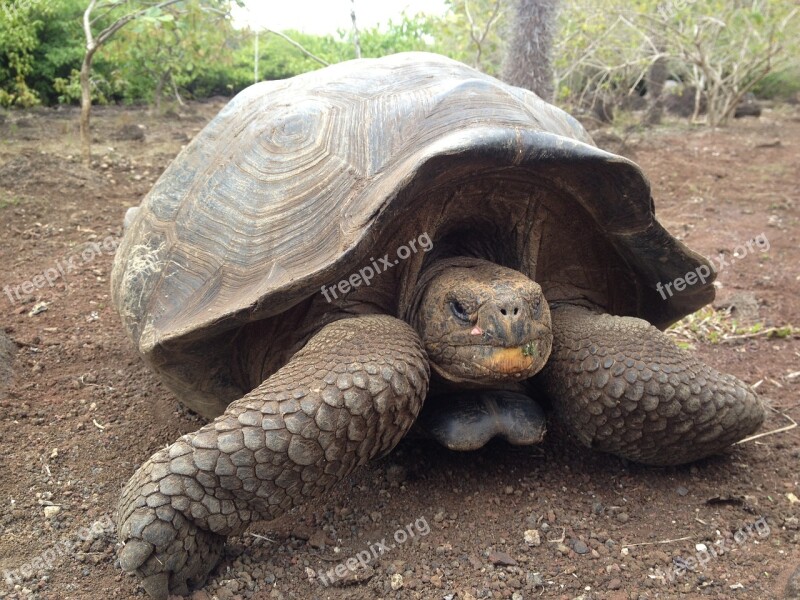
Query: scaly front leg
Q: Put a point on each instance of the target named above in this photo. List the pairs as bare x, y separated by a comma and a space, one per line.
348, 396
623, 387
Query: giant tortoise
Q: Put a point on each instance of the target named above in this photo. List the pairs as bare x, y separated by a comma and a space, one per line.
336, 249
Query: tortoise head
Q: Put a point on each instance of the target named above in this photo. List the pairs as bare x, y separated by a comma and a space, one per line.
481, 322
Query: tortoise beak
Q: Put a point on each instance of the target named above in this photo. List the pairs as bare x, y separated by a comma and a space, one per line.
526, 357
509, 322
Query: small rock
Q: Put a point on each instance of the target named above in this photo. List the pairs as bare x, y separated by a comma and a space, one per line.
580, 547
396, 474
614, 584
319, 540
661, 557
791, 523
682, 491
509, 490
532, 537
533, 579
360, 575
497, 557
623, 517
563, 549
793, 587
301, 532
51, 511
39, 307
396, 581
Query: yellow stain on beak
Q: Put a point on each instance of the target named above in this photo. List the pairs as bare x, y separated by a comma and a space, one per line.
510, 360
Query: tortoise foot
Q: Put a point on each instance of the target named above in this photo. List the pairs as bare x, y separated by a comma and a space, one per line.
623, 387
169, 553
332, 408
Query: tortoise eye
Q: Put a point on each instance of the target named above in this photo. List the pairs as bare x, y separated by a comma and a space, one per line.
459, 311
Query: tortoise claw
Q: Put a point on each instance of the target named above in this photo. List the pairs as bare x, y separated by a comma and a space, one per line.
178, 568
170, 557
157, 586
134, 554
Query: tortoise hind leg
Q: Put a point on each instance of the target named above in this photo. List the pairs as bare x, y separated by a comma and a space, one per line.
348, 396
623, 387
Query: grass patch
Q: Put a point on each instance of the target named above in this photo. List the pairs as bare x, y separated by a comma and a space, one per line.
12, 201
710, 326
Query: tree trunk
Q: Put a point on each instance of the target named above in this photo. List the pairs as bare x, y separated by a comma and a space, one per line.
162, 81
528, 60
656, 78
86, 109
175, 90
356, 35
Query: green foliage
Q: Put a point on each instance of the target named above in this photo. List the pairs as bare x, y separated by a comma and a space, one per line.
191, 51
724, 48
20, 24
60, 48
108, 85
711, 326
473, 31
411, 33
781, 85
170, 50
278, 59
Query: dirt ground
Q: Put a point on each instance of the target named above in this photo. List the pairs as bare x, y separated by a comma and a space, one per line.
81, 411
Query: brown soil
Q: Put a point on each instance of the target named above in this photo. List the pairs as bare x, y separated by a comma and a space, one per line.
81, 411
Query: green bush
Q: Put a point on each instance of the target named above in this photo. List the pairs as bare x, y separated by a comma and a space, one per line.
781, 85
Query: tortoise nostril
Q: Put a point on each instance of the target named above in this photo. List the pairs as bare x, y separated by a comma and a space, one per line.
509, 310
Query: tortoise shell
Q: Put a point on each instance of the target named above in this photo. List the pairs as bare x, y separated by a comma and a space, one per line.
297, 183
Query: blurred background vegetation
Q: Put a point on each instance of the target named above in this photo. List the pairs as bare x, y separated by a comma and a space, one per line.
603, 52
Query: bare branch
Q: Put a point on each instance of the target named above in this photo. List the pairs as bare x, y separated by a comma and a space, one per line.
356, 36
477, 35
120, 23
283, 36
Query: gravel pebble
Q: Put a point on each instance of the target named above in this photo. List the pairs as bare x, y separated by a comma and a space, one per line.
396, 581
497, 557
580, 547
532, 537
51, 511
